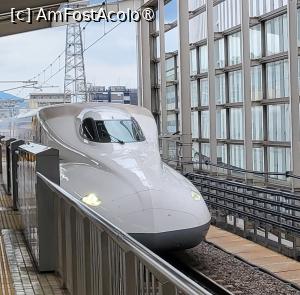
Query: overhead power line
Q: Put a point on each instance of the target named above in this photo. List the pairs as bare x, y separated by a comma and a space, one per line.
60, 55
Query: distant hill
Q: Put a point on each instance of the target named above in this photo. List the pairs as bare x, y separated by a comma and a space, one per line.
8, 96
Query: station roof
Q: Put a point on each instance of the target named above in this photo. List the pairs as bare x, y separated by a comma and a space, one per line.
9, 28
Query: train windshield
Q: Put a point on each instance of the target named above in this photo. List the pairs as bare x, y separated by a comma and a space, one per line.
109, 131
123, 131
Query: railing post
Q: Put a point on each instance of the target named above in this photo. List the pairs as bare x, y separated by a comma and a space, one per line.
87, 255
168, 289
14, 171
105, 264
73, 250
1, 137
130, 279
6, 169
62, 242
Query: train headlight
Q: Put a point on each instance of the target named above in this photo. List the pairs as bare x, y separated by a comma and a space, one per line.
91, 200
196, 196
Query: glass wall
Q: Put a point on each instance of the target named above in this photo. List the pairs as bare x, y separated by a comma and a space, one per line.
279, 122
171, 97
236, 124
255, 42
220, 53
204, 92
221, 124
277, 35
235, 86
205, 124
256, 83
234, 49
198, 29
277, 79
270, 111
194, 4
257, 123
220, 89
194, 94
195, 125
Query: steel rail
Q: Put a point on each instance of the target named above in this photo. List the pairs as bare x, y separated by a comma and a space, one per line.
195, 274
256, 208
254, 198
245, 186
214, 191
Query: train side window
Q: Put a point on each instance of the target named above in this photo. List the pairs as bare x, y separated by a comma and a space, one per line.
88, 129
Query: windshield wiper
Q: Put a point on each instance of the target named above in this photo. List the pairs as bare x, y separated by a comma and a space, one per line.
117, 139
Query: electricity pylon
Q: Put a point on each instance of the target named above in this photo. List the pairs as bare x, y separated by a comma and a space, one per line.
75, 79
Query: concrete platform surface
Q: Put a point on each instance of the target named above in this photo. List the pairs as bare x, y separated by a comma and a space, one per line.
18, 274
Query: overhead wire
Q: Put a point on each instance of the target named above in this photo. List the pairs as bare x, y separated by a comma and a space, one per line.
58, 58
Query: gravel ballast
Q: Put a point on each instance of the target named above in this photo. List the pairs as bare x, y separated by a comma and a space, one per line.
234, 274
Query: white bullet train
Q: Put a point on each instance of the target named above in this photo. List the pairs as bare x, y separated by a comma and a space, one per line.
110, 160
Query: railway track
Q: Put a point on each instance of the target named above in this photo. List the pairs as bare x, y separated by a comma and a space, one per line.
179, 261
221, 272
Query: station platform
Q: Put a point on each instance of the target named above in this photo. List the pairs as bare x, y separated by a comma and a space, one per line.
18, 274
270, 261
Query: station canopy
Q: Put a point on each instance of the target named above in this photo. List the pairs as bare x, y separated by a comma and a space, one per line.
7, 27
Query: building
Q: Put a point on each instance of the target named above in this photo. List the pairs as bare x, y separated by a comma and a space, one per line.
114, 94
98, 93
225, 75
38, 100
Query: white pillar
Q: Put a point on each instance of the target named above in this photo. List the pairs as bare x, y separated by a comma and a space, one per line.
161, 7
184, 84
145, 75
294, 91
211, 83
246, 74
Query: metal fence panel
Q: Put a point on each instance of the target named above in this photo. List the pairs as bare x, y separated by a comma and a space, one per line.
98, 258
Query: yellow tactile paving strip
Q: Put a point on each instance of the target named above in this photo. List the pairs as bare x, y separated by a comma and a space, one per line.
282, 266
5, 276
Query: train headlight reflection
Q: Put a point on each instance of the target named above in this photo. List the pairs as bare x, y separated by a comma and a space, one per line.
91, 200
196, 196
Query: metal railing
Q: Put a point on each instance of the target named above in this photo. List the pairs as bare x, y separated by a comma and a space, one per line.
95, 257
269, 216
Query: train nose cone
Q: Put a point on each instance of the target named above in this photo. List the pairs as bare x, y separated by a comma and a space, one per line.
165, 230
183, 210
167, 220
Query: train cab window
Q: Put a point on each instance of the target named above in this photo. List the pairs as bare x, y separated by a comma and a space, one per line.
88, 129
122, 131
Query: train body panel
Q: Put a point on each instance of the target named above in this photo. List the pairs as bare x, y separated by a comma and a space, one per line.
135, 190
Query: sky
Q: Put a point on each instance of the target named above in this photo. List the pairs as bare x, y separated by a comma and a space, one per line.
112, 61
